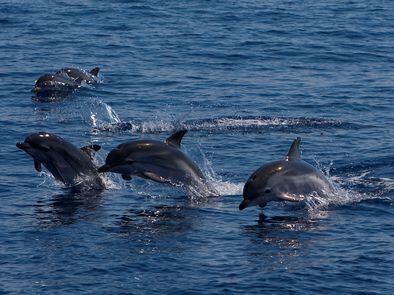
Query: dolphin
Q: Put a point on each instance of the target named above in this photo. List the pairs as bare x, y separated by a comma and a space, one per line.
60, 83
290, 179
163, 162
68, 164
81, 75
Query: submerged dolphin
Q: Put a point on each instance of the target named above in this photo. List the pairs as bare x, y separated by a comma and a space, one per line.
81, 75
68, 164
162, 162
290, 179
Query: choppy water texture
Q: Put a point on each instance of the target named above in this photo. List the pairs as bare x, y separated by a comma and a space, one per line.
246, 77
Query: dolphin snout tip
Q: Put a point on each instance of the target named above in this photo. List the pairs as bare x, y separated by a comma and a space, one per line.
103, 168
244, 204
22, 145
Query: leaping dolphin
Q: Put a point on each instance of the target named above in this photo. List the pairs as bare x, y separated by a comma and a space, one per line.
290, 179
162, 162
68, 164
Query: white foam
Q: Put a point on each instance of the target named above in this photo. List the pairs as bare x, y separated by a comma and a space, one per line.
345, 193
102, 115
214, 124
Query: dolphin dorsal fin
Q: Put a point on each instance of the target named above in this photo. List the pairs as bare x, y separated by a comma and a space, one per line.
294, 152
91, 150
95, 71
175, 139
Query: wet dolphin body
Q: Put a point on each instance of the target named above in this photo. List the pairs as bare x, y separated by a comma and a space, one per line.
162, 162
57, 83
81, 75
290, 179
67, 163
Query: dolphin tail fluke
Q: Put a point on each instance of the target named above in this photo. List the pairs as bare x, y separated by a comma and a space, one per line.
95, 71
91, 150
175, 139
294, 152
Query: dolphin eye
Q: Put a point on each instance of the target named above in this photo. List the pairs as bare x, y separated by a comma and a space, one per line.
267, 191
254, 177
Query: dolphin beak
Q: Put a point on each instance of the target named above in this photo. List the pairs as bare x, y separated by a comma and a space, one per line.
244, 204
104, 168
22, 145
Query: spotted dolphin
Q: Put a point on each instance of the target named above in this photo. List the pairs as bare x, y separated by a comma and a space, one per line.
80, 75
159, 161
68, 164
290, 179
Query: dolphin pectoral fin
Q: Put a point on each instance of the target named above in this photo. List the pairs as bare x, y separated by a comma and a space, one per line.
91, 150
153, 176
104, 168
79, 80
294, 152
291, 197
37, 165
126, 177
176, 138
95, 71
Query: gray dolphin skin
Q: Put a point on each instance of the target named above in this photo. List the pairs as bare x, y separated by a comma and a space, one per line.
56, 82
70, 165
81, 75
290, 179
162, 162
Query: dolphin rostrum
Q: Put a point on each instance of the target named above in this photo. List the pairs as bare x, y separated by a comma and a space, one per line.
70, 165
290, 179
159, 161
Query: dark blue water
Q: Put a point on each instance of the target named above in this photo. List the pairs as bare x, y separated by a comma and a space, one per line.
246, 77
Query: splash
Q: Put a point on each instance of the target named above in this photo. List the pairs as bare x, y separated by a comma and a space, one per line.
215, 183
103, 114
222, 124
347, 190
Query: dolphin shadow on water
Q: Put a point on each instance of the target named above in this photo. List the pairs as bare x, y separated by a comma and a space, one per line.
67, 208
72, 166
281, 236
158, 220
56, 87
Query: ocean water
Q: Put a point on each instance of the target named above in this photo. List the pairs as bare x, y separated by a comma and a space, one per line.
246, 78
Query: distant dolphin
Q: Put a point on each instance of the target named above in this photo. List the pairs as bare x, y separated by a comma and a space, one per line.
162, 162
68, 164
290, 179
57, 83
81, 75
